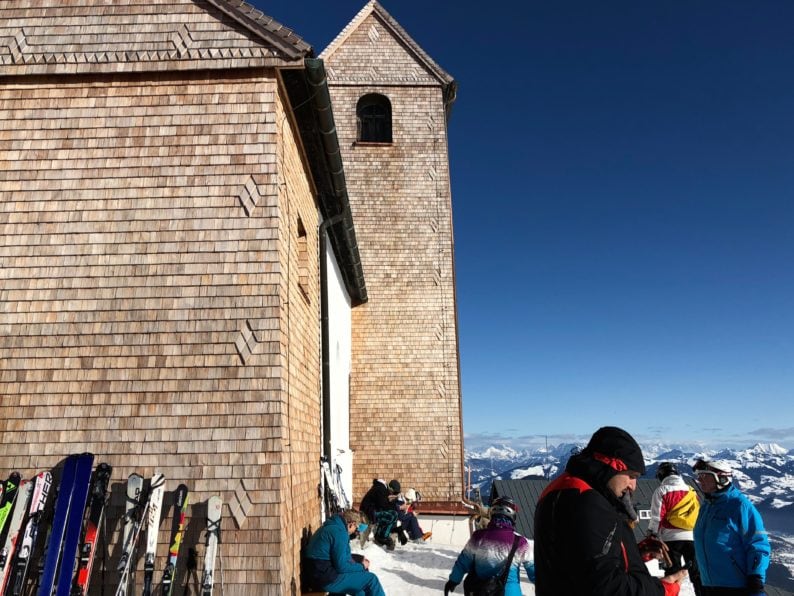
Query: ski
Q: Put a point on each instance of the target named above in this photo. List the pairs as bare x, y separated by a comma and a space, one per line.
24, 493
214, 507
180, 509
156, 490
137, 504
52, 552
38, 502
9, 497
96, 512
74, 524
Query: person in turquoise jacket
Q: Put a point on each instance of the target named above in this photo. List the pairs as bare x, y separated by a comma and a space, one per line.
329, 565
731, 545
486, 552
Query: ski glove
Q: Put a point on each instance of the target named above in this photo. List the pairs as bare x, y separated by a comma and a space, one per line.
449, 587
755, 586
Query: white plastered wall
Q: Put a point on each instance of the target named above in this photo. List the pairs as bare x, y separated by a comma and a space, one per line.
339, 361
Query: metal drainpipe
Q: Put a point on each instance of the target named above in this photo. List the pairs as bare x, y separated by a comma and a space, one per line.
325, 339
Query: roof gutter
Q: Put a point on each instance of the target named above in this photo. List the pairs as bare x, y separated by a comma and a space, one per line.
342, 226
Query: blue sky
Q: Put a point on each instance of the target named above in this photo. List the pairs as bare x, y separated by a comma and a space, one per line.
622, 179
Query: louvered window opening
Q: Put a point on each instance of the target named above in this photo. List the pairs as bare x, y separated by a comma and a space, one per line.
373, 114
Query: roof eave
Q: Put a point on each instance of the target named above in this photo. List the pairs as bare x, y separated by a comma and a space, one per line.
308, 94
265, 27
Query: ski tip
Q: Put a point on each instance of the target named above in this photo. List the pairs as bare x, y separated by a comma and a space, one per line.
104, 468
181, 495
214, 508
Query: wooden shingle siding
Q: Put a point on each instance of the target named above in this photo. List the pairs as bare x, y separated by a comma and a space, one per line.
300, 321
405, 389
132, 280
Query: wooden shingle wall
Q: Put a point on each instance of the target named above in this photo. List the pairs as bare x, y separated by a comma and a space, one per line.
143, 282
405, 391
300, 320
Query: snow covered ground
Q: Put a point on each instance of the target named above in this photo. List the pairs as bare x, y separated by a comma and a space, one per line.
423, 569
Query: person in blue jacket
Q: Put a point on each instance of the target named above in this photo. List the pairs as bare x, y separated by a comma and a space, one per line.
731, 545
486, 552
329, 565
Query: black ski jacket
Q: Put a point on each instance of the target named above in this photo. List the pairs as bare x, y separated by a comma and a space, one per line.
376, 499
584, 545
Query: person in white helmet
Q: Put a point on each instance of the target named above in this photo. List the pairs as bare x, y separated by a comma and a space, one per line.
731, 544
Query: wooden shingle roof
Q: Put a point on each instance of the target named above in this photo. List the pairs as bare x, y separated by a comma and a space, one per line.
96, 36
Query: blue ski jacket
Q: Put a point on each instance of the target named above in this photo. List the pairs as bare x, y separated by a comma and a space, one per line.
730, 540
328, 553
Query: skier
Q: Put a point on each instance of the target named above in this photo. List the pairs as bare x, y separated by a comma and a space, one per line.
731, 545
329, 565
488, 550
584, 543
378, 506
670, 497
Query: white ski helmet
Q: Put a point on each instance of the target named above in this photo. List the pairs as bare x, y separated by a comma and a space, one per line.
718, 468
410, 495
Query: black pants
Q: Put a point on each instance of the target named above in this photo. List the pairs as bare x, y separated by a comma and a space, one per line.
685, 549
707, 591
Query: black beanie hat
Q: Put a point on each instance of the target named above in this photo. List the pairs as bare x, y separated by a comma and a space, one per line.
616, 442
394, 486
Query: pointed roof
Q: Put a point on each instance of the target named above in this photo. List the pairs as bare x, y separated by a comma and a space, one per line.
373, 7
56, 37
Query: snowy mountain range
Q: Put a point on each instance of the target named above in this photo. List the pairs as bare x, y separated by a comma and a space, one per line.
764, 472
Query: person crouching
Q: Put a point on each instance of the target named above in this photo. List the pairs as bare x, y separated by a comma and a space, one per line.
329, 565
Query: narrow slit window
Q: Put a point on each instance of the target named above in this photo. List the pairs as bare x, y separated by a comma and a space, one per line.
303, 259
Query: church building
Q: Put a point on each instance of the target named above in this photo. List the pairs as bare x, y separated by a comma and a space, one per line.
228, 260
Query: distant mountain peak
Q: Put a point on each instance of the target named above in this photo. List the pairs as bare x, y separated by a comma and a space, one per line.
500, 452
768, 449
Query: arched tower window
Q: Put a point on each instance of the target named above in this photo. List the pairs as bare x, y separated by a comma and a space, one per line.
373, 116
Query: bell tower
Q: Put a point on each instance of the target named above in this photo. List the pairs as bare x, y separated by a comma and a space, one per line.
391, 105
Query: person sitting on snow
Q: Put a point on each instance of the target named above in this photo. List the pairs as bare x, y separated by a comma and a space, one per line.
405, 504
329, 564
378, 506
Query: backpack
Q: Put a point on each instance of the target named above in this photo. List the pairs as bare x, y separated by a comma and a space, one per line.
474, 585
685, 513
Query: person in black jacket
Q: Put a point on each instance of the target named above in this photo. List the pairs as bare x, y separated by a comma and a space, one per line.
378, 506
584, 543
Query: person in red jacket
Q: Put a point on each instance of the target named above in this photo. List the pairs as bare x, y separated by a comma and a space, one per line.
584, 543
